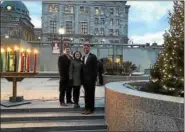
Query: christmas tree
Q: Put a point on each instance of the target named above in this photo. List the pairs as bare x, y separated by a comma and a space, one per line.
167, 73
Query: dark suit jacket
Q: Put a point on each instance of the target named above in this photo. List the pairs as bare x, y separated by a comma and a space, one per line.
90, 69
63, 67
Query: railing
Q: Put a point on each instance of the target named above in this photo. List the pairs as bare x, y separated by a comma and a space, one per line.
104, 45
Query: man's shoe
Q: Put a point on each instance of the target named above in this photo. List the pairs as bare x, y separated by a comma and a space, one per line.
63, 104
88, 112
76, 106
84, 112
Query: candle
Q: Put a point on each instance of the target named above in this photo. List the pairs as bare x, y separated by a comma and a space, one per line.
2, 59
15, 58
28, 60
8, 59
35, 60
22, 60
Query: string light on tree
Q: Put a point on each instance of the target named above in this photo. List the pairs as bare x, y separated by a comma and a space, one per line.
170, 64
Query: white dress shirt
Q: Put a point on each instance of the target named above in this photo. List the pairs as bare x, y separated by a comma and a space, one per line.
86, 56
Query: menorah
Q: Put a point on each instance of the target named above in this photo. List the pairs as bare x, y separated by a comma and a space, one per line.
16, 65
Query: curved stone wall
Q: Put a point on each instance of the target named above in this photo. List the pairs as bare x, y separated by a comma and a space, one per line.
131, 110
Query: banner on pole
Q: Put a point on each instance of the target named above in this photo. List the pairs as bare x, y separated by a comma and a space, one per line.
56, 46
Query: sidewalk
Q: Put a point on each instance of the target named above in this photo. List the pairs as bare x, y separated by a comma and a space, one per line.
42, 90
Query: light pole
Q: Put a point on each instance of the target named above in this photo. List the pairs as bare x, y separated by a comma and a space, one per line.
61, 31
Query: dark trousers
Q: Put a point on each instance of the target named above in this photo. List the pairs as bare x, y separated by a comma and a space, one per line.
89, 96
76, 94
65, 90
100, 79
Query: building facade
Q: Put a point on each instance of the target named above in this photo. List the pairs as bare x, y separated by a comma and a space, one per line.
15, 21
100, 22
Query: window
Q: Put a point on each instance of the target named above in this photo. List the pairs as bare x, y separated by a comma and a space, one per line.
117, 11
96, 40
53, 26
96, 31
68, 27
111, 21
96, 20
102, 21
84, 9
102, 31
50, 8
101, 11
101, 42
111, 32
117, 22
56, 8
117, 32
69, 9
84, 27
126, 11
81, 40
53, 8
111, 11
97, 11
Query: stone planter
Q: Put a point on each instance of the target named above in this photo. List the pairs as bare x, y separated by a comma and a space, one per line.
132, 110
117, 78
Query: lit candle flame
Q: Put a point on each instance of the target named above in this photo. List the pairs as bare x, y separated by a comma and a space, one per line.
16, 48
36, 51
28, 50
9, 49
22, 50
2, 50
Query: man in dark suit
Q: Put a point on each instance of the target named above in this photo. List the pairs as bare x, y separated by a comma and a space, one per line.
89, 78
64, 87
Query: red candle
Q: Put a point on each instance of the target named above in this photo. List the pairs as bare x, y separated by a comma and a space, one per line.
28, 61
35, 60
22, 60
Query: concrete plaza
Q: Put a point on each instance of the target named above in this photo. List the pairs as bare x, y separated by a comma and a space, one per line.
43, 92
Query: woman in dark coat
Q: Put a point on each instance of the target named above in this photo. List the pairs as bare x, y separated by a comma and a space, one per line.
75, 76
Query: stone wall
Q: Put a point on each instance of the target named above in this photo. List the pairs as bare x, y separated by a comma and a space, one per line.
142, 57
116, 78
131, 110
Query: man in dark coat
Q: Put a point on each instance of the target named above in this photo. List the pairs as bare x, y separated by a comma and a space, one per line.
89, 78
64, 87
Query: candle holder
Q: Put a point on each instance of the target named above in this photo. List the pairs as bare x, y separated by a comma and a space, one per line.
10, 70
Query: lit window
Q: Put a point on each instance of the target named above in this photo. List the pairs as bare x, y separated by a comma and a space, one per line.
97, 11
56, 8
50, 8
69, 9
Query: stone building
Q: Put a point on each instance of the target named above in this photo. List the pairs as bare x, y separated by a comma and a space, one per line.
103, 22
15, 21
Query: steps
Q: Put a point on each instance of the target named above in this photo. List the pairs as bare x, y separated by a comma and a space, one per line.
52, 120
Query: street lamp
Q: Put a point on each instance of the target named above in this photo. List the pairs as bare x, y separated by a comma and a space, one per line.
61, 31
6, 36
